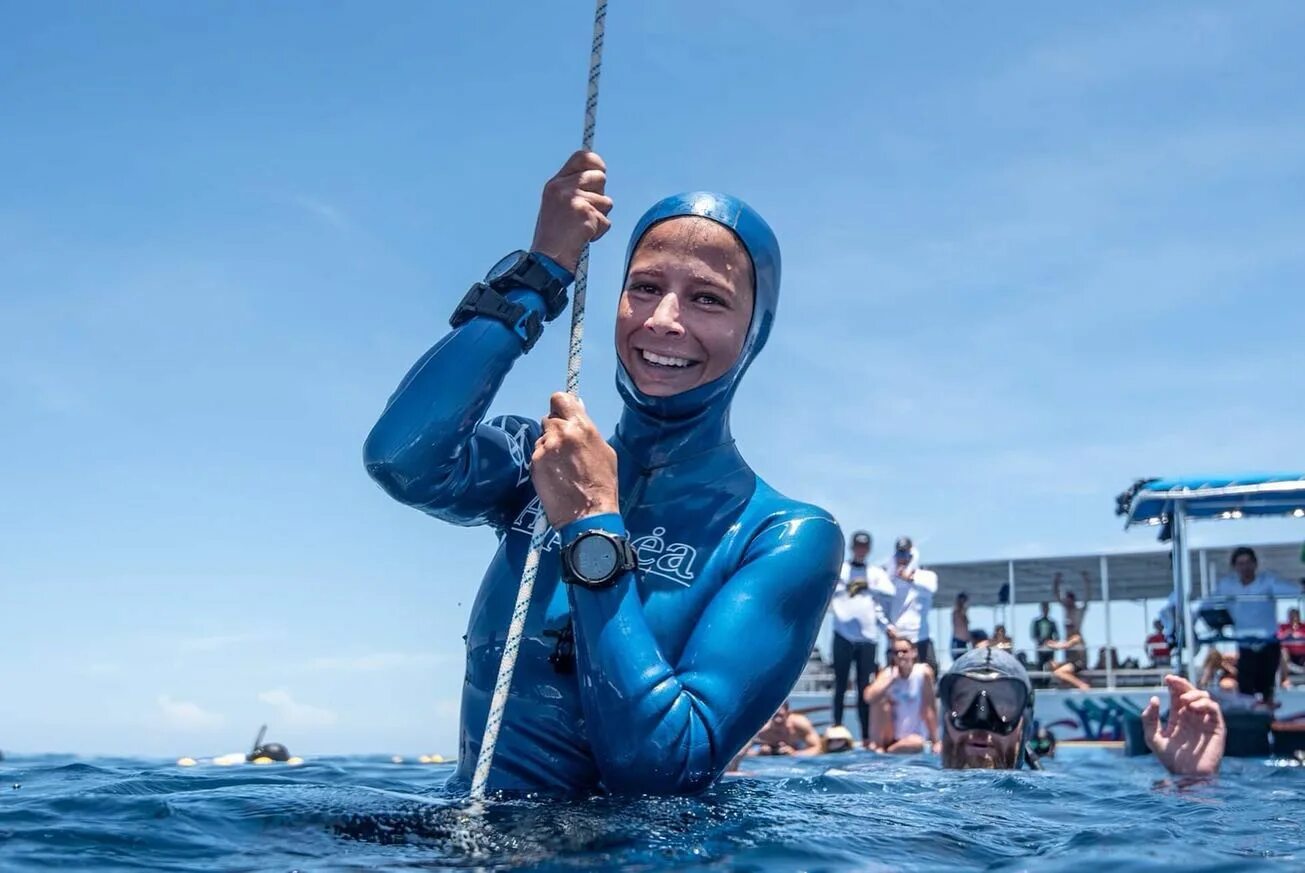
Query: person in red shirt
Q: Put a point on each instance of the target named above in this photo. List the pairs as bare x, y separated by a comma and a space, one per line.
1292, 637
1157, 645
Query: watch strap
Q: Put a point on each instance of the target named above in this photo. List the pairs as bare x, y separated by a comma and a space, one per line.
482, 299
530, 272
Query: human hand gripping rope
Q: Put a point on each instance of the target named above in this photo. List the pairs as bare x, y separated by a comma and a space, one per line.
516, 627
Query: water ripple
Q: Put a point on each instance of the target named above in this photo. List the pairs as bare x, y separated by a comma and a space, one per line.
852, 812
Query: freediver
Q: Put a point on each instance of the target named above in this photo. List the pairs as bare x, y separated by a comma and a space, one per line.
693, 590
270, 751
987, 716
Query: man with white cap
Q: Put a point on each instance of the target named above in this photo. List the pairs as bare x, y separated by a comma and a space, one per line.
905, 605
857, 618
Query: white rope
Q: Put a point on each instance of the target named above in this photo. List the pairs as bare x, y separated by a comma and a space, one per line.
518, 624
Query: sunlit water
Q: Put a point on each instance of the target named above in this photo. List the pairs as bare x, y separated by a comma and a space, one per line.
1091, 810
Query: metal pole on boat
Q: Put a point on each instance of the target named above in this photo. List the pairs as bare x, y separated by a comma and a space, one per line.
1204, 573
1182, 584
1105, 604
1010, 619
1010, 592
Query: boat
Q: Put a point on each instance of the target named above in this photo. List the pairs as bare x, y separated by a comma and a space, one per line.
1179, 574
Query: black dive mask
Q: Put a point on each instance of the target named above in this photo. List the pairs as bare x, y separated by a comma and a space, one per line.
995, 705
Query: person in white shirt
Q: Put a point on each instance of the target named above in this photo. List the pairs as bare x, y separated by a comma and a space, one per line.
904, 606
1254, 613
856, 616
905, 707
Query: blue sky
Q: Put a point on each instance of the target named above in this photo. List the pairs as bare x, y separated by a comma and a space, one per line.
1031, 252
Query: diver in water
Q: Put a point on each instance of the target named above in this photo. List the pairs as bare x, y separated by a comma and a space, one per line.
987, 714
267, 751
678, 595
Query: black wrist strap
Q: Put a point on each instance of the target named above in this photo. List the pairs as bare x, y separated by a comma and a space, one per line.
481, 299
535, 276
530, 273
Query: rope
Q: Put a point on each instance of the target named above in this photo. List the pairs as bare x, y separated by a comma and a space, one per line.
518, 624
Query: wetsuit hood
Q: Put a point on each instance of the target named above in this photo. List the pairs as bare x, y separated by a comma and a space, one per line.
662, 428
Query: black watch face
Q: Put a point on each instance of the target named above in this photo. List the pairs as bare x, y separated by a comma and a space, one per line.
504, 267
594, 558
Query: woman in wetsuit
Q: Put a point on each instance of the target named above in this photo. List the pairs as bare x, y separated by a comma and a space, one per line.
696, 590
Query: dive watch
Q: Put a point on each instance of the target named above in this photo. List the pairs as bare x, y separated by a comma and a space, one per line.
596, 559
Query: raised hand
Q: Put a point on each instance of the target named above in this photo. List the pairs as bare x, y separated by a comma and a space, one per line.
1191, 743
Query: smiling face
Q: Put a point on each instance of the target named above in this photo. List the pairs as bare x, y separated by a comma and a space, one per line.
686, 306
904, 657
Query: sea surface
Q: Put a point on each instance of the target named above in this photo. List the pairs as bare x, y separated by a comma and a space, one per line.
1091, 810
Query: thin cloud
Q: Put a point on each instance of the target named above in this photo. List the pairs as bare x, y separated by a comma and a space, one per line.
292, 713
322, 211
184, 715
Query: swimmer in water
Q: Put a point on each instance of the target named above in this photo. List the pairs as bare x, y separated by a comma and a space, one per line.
678, 594
787, 733
987, 714
902, 704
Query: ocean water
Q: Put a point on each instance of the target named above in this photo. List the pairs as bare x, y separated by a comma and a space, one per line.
1091, 809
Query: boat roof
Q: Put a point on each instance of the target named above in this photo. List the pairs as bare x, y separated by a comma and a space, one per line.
1152, 501
1133, 575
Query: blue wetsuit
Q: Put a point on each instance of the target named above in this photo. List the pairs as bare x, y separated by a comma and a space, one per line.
679, 663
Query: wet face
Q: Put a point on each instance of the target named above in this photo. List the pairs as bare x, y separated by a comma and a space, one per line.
686, 306
1245, 566
980, 750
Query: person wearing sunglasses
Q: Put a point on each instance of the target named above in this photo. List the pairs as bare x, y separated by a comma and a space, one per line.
903, 709
987, 719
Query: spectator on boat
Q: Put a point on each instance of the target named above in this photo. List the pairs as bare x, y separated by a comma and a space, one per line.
904, 609
1251, 594
1075, 662
856, 614
1001, 639
1219, 672
987, 706
1157, 645
787, 733
903, 705
960, 624
1042, 630
1291, 636
1074, 608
